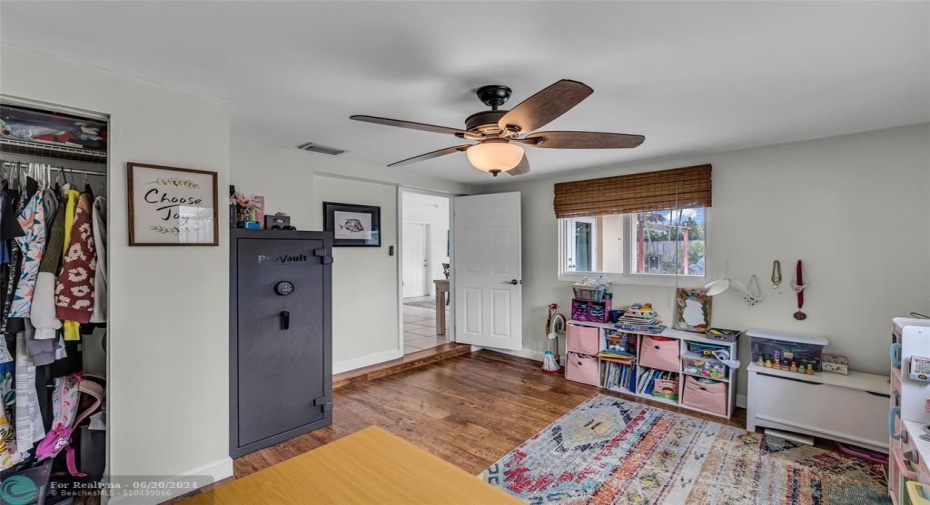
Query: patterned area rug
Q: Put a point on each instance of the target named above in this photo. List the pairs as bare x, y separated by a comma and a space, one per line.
608, 450
431, 304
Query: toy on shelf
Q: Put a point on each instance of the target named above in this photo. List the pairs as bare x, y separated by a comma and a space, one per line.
834, 363
555, 326
723, 334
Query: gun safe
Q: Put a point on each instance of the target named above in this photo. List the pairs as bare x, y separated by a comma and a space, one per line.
280, 336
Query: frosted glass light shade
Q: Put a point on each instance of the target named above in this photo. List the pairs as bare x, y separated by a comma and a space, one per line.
494, 157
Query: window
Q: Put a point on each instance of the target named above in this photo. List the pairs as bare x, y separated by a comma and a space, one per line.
667, 242
592, 244
636, 226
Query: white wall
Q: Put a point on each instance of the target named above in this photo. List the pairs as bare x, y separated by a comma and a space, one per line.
365, 294
168, 331
366, 325
434, 211
855, 209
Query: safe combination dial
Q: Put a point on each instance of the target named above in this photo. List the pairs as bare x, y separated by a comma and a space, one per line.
284, 288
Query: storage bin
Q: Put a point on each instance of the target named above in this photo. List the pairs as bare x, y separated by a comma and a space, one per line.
582, 368
781, 345
583, 339
589, 310
659, 352
707, 367
588, 293
707, 396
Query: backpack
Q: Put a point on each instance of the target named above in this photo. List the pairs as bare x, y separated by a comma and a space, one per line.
65, 399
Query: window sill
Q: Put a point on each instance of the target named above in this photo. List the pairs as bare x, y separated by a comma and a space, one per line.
640, 279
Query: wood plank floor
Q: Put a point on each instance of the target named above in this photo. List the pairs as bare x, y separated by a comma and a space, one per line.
469, 410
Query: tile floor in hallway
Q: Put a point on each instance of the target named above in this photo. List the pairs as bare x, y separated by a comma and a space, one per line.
420, 328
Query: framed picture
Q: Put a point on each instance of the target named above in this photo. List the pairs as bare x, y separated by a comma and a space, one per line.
172, 206
353, 225
692, 310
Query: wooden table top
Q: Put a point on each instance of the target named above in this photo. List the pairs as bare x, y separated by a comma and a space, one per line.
368, 466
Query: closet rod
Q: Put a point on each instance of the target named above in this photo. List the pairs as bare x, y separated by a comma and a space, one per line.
17, 164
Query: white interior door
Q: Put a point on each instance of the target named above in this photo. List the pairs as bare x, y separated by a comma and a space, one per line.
416, 259
486, 281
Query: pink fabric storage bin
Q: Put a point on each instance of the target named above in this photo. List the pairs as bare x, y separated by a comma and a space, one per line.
583, 339
657, 352
581, 368
707, 397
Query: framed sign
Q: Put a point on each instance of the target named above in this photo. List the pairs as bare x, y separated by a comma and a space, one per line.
353, 225
172, 206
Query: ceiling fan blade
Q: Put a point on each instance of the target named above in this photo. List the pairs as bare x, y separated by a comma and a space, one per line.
430, 155
413, 126
522, 168
582, 140
546, 105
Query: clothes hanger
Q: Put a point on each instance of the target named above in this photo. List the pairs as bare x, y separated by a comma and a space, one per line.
87, 189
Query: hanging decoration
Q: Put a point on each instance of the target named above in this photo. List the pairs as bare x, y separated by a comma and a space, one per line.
776, 274
753, 294
799, 285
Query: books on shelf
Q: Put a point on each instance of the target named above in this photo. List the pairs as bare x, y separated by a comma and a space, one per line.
649, 377
618, 375
617, 358
641, 318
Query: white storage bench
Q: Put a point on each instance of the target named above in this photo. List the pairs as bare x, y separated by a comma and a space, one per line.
847, 408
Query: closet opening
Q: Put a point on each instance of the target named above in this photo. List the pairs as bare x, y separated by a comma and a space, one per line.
53, 299
426, 270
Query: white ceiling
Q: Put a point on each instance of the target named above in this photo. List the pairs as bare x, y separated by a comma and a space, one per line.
692, 77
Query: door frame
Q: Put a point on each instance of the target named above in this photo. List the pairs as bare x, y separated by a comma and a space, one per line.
450, 332
429, 254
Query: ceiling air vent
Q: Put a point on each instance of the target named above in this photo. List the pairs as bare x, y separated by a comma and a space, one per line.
318, 148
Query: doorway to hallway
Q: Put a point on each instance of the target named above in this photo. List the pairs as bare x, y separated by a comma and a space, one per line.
425, 266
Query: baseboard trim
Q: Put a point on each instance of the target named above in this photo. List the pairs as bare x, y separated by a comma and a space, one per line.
520, 353
409, 361
210, 473
741, 401
367, 360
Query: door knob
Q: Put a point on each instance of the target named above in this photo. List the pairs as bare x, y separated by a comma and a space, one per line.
512, 281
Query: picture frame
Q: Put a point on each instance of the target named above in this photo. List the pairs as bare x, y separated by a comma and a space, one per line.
171, 206
353, 225
692, 310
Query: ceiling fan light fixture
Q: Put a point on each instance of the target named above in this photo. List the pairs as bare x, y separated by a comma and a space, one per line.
494, 157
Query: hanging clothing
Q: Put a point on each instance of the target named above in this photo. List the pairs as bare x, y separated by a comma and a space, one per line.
7, 448
8, 454
7, 367
71, 198
32, 245
7, 324
29, 426
9, 225
41, 351
74, 294
43, 315
100, 243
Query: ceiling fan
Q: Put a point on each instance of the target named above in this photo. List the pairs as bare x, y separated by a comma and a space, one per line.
498, 132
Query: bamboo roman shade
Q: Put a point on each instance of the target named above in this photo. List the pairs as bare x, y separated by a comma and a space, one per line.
625, 194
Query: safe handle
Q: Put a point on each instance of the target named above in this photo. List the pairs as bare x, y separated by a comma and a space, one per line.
285, 320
